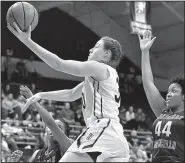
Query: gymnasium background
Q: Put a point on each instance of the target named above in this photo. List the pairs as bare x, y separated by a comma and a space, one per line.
70, 29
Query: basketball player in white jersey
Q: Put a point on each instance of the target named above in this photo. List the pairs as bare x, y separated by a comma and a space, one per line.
103, 140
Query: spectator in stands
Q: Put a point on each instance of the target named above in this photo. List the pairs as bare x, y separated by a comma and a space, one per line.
17, 113
130, 114
6, 65
4, 69
19, 104
122, 115
133, 140
11, 143
7, 132
37, 119
2, 94
33, 88
28, 117
11, 107
19, 74
4, 144
30, 67
130, 118
20, 101
140, 119
5, 150
149, 143
149, 146
67, 114
141, 154
136, 150
6, 90
8, 104
48, 105
133, 156
78, 116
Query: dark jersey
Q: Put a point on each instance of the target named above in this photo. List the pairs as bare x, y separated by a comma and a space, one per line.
53, 156
168, 135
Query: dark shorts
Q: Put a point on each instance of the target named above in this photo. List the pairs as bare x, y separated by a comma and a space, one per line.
94, 155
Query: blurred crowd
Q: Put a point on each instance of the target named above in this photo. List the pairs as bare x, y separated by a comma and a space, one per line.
22, 71
11, 108
12, 103
132, 119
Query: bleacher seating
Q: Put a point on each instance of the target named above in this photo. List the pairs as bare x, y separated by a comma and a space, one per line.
31, 137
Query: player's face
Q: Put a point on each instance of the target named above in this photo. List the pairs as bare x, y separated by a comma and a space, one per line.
48, 133
97, 52
174, 96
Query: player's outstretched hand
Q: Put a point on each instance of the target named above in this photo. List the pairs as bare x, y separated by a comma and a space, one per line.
30, 100
25, 91
22, 36
147, 41
15, 156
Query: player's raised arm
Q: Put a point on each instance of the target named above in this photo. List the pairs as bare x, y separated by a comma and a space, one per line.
60, 136
61, 95
156, 101
77, 68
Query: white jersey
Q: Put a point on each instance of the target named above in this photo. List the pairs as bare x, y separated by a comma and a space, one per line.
104, 133
101, 99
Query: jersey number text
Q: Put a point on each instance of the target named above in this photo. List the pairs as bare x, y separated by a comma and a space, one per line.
166, 129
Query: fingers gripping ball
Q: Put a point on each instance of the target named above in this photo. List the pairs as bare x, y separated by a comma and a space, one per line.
23, 14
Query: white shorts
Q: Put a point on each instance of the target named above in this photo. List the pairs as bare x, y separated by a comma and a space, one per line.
103, 135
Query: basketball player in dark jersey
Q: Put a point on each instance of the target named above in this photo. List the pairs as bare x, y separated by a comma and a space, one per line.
168, 128
57, 132
52, 152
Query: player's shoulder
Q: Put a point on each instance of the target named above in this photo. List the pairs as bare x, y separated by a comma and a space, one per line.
105, 65
98, 70
113, 73
107, 72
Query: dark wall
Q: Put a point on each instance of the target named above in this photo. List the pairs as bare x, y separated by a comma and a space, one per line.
56, 31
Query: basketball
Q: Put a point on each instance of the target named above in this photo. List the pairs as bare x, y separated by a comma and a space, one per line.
23, 14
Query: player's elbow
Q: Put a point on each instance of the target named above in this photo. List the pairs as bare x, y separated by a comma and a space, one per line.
69, 96
74, 95
57, 64
54, 65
